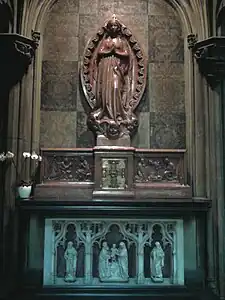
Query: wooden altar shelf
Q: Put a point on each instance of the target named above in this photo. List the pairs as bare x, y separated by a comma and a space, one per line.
113, 173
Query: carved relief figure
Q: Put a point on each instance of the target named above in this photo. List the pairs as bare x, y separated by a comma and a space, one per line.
83, 171
170, 170
114, 252
65, 168
110, 77
70, 256
157, 262
141, 171
104, 268
123, 261
68, 168
113, 263
149, 170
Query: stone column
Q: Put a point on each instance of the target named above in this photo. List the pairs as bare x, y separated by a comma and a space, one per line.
219, 200
199, 135
15, 61
189, 108
215, 191
26, 118
10, 216
208, 159
29, 123
140, 258
211, 228
178, 256
88, 258
36, 105
220, 146
49, 269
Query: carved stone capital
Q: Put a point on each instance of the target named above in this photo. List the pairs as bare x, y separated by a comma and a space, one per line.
16, 54
210, 55
192, 40
36, 37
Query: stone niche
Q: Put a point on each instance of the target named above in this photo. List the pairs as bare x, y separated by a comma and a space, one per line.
74, 248
64, 110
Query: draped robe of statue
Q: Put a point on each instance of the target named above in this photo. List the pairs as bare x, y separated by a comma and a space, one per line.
157, 262
113, 65
70, 256
103, 267
123, 261
113, 77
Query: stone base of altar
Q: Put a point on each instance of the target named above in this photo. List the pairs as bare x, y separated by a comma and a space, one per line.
111, 194
46, 226
109, 293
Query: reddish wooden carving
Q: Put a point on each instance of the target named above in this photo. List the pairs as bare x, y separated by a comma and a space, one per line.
113, 76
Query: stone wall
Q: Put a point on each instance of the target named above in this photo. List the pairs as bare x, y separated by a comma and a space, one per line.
158, 29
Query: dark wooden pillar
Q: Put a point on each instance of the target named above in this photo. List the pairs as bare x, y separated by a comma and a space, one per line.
210, 56
16, 53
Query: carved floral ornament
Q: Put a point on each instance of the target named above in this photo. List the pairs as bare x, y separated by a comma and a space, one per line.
113, 95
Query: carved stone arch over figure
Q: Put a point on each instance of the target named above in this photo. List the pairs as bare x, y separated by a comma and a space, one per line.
36, 12
113, 76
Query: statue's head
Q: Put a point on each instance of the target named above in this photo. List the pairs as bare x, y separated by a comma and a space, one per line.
122, 245
70, 244
113, 26
114, 245
157, 244
104, 245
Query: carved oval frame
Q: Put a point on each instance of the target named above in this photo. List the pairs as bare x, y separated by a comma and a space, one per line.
140, 60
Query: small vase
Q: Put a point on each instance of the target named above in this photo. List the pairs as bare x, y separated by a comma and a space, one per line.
24, 191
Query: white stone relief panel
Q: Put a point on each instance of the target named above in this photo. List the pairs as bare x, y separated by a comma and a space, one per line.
113, 251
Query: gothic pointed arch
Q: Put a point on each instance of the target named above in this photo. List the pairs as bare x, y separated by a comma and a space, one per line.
192, 14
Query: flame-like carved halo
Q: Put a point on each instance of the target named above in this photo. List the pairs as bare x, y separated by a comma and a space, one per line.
139, 71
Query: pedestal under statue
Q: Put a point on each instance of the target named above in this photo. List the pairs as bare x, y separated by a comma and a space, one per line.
113, 78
